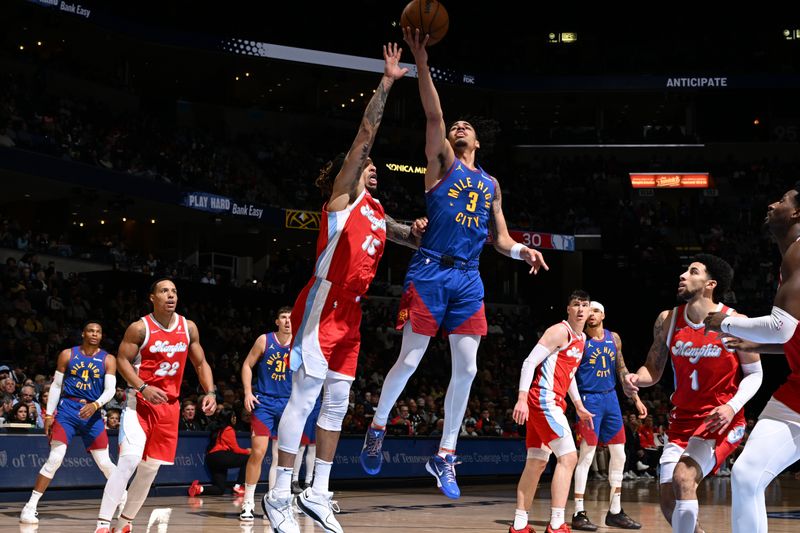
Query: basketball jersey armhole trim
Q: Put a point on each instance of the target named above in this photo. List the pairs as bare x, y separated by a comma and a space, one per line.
672, 326
146, 339
444, 178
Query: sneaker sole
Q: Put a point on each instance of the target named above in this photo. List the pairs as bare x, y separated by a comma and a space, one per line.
370, 471
314, 516
439, 483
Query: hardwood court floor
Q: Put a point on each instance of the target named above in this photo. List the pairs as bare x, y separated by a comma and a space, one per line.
482, 508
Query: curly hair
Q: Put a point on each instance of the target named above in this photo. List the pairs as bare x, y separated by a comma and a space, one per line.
328, 173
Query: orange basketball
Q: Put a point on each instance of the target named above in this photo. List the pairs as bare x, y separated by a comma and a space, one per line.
429, 16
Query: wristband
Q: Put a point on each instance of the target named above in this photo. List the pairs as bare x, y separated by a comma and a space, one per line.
142, 387
212, 392
516, 250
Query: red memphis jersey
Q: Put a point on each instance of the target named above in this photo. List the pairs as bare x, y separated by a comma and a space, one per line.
162, 356
554, 376
789, 392
351, 243
707, 373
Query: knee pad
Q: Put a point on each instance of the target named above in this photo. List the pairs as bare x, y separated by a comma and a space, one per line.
335, 401
586, 455
702, 451
57, 453
103, 461
616, 464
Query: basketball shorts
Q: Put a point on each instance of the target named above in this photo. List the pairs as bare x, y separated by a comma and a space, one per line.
150, 431
436, 296
267, 415
608, 428
688, 435
310, 429
328, 338
68, 423
548, 429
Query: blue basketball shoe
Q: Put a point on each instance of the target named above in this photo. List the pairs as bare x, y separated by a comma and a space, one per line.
444, 470
371, 458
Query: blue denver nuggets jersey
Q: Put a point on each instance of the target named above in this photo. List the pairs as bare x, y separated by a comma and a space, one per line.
85, 376
273, 378
598, 370
459, 207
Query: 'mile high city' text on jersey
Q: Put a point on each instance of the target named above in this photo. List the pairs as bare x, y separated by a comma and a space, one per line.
598, 368
707, 373
459, 207
162, 356
85, 375
273, 377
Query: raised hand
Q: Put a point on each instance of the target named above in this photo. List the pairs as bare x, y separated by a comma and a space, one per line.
416, 44
391, 56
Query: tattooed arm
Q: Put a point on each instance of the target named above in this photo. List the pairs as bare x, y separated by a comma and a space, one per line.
400, 233
649, 374
347, 185
622, 371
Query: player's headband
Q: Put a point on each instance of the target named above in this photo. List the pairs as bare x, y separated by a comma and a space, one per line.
597, 305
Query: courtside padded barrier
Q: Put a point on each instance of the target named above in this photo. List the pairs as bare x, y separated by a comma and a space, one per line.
22, 455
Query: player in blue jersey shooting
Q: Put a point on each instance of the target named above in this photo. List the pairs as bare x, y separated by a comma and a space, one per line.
443, 288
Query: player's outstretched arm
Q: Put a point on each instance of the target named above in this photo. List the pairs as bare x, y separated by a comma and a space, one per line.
405, 235
256, 352
438, 151
622, 371
752, 375
347, 185
653, 368
198, 358
503, 242
777, 327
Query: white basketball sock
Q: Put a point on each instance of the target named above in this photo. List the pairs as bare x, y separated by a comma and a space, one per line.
578, 505
556, 517
322, 474
520, 519
684, 517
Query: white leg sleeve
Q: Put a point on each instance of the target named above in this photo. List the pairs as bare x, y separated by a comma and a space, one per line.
311, 457
335, 398
772, 446
140, 487
298, 463
616, 464
116, 484
464, 357
305, 391
273, 465
57, 452
582, 468
411, 352
103, 462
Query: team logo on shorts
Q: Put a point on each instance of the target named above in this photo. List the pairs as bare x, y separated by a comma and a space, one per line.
402, 316
736, 434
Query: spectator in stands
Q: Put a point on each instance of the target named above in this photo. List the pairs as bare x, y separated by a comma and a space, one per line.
112, 418
223, 453
118, 401
27, 396
189, 420
20, 415
402, 420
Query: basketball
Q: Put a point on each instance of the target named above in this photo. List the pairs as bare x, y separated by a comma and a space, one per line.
429, 16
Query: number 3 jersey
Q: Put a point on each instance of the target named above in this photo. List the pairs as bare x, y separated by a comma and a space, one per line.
707, 373
162, 356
